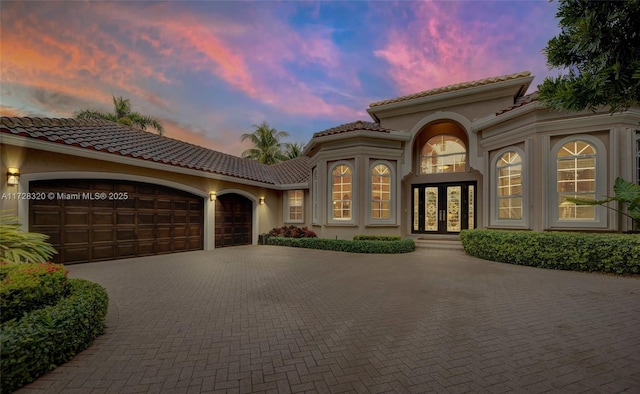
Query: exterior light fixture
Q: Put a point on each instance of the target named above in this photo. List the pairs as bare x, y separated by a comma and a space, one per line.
212, 196
261, 200
13, 175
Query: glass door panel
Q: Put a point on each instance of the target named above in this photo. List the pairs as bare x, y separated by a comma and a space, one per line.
454, 194
443, 208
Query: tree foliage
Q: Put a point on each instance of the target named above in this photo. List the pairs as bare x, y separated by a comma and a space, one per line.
267, 145
598, 49
293, 150
122, 114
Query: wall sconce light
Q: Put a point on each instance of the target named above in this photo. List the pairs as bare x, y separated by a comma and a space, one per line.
212, 196
13, 175
261, 200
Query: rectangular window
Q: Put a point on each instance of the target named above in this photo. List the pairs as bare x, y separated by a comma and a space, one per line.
295, 201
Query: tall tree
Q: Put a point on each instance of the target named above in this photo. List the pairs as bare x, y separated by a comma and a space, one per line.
599, 50
267, 148
122, 114
293, 150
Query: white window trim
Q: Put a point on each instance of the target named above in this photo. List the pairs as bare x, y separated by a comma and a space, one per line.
393, 197
354, 195
315, 204
600, 220
509, 223
287, 212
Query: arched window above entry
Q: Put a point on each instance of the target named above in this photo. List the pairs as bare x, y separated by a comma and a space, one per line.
442, 154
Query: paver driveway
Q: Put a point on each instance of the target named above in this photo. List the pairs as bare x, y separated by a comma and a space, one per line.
275, 319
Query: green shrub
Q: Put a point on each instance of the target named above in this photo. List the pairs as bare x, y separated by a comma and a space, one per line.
25, 287
292, 232
47, 337
402, 246
592, 252
363, 237
17, 246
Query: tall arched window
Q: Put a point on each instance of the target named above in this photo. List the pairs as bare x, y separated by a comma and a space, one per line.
443, 153
576, 178
380, 192
341, 192
509, 186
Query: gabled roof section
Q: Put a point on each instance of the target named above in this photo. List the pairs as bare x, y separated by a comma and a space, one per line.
112, 138
353, 126
451, 88
520, 102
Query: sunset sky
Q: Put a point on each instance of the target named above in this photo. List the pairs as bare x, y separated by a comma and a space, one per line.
209, 70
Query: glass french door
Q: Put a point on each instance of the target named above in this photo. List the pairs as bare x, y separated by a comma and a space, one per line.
443, 208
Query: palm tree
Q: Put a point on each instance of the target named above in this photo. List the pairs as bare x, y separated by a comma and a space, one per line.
267, 148
293, 150
123, 115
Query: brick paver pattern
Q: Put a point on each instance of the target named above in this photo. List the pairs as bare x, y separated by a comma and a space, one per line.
275, 319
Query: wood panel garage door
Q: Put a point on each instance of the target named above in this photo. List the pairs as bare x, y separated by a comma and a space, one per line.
233, 220
96, 220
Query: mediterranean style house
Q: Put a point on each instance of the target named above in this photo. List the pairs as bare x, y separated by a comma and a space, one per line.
479, 154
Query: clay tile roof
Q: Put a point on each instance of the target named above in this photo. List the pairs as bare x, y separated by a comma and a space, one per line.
451, 88
347, 127
520, 102
113, 138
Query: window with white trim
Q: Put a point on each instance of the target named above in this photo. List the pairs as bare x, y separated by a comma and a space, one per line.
295, 206
314, 195
341, 192
638, 157
443, 153
381, 192
576, 178
509, 186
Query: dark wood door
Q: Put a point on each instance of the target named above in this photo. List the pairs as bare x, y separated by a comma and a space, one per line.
443, 207
96, 220
233, 220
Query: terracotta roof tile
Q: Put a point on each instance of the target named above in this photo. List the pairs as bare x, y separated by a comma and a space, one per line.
520, 102
451, 88
112, 138
347, 127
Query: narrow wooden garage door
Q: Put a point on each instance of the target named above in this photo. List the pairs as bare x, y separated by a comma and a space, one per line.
233, 220
96, 220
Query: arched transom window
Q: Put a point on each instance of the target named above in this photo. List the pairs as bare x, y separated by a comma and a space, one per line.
380, 192
576, 179
509, 186
443, 153
341, 192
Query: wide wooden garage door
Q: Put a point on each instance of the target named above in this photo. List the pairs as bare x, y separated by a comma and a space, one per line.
96, 220
233, 220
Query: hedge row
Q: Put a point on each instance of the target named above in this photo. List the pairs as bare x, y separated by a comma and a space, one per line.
363, 237
47, 337
26, 287
356, 246
592, 252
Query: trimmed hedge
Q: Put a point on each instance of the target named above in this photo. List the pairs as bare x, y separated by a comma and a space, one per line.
591, 252
47, 337
363, 237
357, 246
26, 287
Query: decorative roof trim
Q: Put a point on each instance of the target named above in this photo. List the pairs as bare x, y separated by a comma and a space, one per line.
451, 88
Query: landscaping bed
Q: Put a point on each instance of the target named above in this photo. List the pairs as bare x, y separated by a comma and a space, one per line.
591, 252
351, 246
46, 325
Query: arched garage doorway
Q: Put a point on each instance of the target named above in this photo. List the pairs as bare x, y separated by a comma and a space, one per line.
234, 220
95, 220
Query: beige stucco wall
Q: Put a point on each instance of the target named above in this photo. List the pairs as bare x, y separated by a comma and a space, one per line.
37, 164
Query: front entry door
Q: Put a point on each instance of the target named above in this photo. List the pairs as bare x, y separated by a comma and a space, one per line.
443, 208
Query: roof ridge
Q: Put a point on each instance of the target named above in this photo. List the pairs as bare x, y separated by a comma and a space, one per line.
452, 87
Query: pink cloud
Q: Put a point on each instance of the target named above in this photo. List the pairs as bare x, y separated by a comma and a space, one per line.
438, 48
